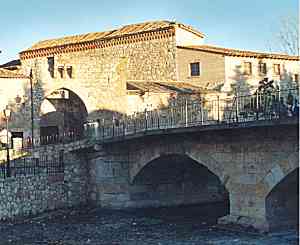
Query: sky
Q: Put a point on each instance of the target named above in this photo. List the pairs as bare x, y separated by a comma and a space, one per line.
239, 24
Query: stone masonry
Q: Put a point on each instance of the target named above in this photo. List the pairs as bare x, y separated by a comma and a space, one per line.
248, 162
30, 195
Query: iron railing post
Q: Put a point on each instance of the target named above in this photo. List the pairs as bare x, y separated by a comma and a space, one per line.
257, 105
145, 118
113, 127
7, 150
202, 107
103, 129
218, 109
124, 126
186, 113
134, 124
237, 107
158, 120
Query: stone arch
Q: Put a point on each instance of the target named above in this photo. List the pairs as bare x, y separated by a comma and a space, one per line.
274, 187
61, 112
282, 202
174, 179
81, 96
279, 171
152, 153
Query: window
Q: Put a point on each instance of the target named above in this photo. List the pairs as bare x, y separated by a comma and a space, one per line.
276, 69
195, 69
51, 66
69, 71
247, 68
296, 78
262, 68
61, 71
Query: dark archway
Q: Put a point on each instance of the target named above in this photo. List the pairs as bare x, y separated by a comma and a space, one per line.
177, 180
66, 117
282, 203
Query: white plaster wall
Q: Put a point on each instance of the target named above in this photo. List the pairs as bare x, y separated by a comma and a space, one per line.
234, 72
184, 38
10, 89
151, 101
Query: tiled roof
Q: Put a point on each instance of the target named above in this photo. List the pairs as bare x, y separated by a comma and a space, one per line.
123, 31
4, 73
12, 63
238, 52
164, 87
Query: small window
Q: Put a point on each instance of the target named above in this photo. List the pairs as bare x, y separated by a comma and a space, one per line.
70, 71
51, 66
262, 67
296, 78
276, 69
247, 68
61, 71
195, 69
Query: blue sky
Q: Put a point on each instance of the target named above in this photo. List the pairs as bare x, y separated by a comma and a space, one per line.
229, 23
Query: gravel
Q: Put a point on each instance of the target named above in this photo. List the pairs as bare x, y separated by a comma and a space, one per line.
163, 226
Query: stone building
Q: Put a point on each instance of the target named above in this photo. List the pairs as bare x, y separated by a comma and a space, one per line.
137, 67
14, 93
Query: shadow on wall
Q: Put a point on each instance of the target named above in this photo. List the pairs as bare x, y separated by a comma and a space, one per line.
242, 85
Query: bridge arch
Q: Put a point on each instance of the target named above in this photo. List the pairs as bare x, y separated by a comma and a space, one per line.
141, 159
282, 202
281, 169
177, 179
282, 193
62, 111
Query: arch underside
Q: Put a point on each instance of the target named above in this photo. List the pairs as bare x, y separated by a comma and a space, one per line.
174, 180
66, 115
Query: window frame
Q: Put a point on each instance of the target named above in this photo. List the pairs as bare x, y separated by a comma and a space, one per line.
262, 68
275, 72
61, 71
69, 72
245, 72
51, 65
191, 70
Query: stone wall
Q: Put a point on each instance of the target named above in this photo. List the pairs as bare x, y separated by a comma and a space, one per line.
99, 75
212, 67
249, 163
30, 195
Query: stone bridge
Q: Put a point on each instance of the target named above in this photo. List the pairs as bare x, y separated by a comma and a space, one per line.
252, 170
247, 161
250, 167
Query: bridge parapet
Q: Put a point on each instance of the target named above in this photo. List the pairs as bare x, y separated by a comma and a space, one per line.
236, 111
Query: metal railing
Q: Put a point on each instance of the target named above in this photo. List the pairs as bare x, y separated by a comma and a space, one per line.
236, 109
29, 165
66, 137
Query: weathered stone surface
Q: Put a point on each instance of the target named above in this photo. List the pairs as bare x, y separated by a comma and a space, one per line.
22, 196
247, 172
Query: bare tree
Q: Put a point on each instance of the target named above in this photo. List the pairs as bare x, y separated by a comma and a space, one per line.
286, 37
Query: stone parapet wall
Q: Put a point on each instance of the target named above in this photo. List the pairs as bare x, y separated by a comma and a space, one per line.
30, 195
